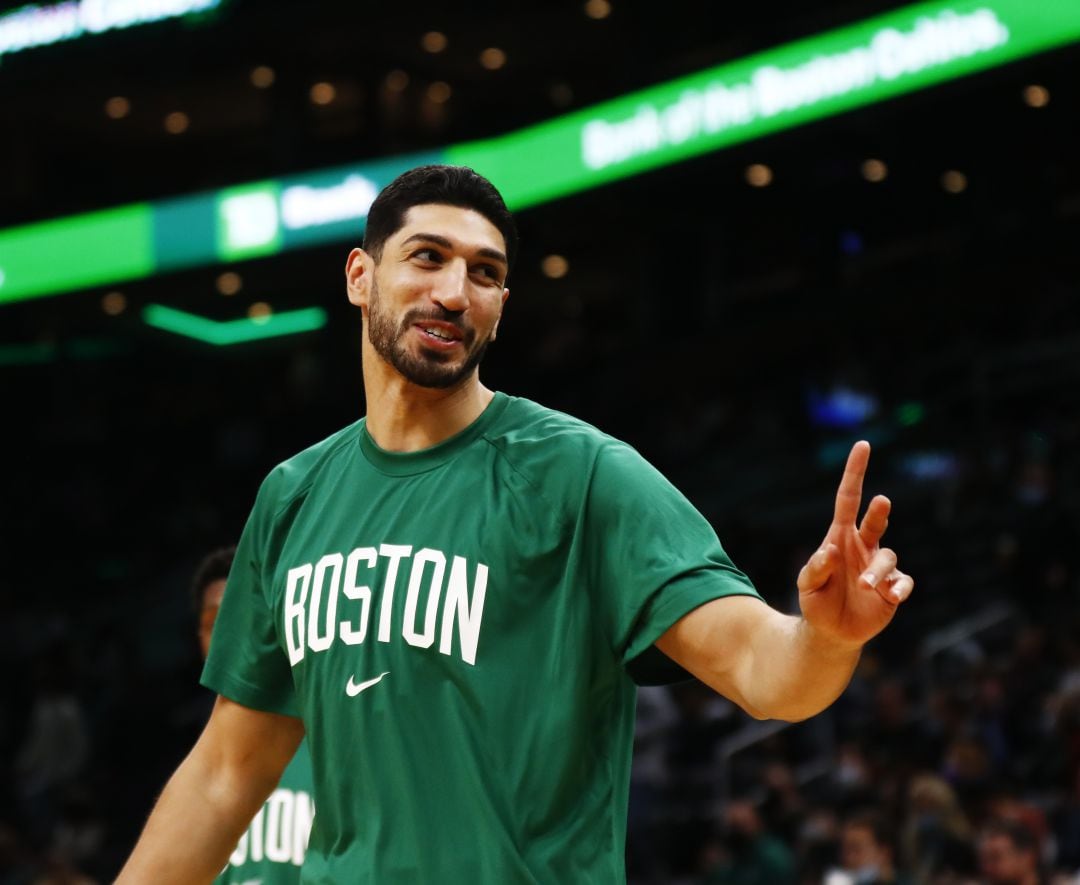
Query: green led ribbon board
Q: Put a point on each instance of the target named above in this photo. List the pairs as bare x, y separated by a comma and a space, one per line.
892, 54
900, 52
33, 25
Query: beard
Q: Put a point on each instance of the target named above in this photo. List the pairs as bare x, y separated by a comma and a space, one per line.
429, 368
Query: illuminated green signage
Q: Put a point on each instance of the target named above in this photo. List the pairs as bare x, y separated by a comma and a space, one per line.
72, 253
239, 331
902, 51
36, 25
241, 222
906, 50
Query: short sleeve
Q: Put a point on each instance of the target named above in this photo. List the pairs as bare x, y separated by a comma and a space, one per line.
246, 663
654, 557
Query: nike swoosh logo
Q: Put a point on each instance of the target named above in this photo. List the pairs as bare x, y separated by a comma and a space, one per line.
353, 689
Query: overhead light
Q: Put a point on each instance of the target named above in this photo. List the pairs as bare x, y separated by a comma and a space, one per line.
759, 175
555, 267
323, 93
598, 9
434, 41
228, 283
874, 170
117, 107
954, 182
260, 310
439, 92
262, 77
114, 303
397, 81
1036, 96
177, 122
493, 58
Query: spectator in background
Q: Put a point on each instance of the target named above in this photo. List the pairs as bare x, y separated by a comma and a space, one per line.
1009, 855
937, 837
749, 855
866, 853
272, 848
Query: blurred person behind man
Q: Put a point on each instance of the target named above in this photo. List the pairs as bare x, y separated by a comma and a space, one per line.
1009, 855
866, 853
272, 848
749, 854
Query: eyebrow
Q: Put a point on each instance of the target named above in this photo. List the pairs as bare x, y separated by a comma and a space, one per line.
439, 240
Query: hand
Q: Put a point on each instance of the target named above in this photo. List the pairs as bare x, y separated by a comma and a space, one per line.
850, 588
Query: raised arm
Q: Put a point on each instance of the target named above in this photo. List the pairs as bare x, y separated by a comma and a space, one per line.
777, 666
212, 796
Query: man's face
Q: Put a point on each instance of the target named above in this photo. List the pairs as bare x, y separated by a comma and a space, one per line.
434, 299
208, 613
1000, 861
859, 849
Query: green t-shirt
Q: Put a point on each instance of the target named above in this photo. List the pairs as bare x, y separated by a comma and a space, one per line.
272, 848
454, 626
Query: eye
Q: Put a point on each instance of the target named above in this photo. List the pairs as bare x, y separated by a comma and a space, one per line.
488, 271
428, 255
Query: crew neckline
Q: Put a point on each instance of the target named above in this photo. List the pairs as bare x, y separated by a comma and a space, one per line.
408, 463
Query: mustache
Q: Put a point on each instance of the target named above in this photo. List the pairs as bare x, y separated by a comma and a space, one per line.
440, 314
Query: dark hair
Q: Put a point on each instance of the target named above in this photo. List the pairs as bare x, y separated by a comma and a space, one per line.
873, 820
446, 185
214, 567
1021, 836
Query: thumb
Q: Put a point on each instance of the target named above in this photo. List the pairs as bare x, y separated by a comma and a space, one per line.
817, 570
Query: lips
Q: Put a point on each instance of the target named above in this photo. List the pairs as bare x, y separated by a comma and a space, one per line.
438, 334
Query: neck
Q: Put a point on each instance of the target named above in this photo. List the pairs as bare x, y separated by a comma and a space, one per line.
404, 417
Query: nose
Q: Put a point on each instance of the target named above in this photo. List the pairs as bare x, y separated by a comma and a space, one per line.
451, 286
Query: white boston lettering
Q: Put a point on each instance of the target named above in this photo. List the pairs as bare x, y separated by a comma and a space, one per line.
279, 822
320, 641
426, 638
435, 606
296, 591
468, 615
395, 553
279, 832
357, 592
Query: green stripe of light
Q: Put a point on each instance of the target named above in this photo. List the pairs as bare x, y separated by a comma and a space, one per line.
240, 331
75, 252
903, 51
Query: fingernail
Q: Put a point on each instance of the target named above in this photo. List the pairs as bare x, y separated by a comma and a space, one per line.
896, 594
870, 579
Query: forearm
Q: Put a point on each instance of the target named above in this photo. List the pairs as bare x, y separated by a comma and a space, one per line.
194, 826
213, 795
791, 671
774, 666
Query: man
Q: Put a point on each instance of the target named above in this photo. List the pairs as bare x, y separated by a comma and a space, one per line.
1009, 854
272, 849
450, 594
866, 852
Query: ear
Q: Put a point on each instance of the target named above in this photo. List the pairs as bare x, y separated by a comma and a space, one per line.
359, 272
495, 328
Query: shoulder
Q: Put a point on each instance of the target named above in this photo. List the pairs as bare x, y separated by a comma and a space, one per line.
555, 452
527, 430
293, 477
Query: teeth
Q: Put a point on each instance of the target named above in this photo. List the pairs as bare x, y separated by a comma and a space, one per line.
437, 333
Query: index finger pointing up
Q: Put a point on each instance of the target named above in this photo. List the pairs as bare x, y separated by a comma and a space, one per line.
849, 495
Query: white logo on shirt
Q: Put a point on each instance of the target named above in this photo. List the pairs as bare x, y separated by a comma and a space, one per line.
352, 689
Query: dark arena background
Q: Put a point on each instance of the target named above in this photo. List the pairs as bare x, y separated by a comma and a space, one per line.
751, 234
